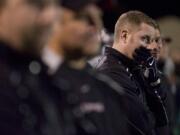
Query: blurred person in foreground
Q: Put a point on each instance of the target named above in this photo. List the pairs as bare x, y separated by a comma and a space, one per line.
131, 62
92, 102
52, 54
25, 105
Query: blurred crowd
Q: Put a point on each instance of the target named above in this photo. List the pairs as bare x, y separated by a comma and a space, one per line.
63, 73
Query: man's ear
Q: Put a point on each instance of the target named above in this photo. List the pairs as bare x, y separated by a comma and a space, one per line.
124, 35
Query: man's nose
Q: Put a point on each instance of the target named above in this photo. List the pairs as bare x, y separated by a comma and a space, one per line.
153, 46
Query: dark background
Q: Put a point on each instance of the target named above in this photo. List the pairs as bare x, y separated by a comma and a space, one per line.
155, 8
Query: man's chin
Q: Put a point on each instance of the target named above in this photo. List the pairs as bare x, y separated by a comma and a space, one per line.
92, 51
73, 54
93, 54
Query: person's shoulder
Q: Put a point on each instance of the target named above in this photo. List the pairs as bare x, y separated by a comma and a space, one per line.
118, 78
113, 70
109, 64
107, 82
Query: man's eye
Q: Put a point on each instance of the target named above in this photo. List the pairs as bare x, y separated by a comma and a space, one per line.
146, 39
158, 40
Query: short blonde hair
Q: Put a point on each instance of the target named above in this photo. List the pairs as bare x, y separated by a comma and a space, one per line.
130, 18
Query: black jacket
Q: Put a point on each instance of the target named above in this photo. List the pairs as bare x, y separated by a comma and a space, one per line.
146, 111
25, 107
94, 105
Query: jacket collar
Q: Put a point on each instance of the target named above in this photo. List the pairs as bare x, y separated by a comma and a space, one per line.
120, 57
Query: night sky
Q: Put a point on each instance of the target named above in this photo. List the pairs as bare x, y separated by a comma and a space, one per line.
154, 8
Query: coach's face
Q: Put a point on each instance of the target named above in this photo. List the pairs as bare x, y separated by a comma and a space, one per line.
147, 36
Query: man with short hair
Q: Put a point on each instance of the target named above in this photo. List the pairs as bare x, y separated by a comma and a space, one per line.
26, 107
131, 62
